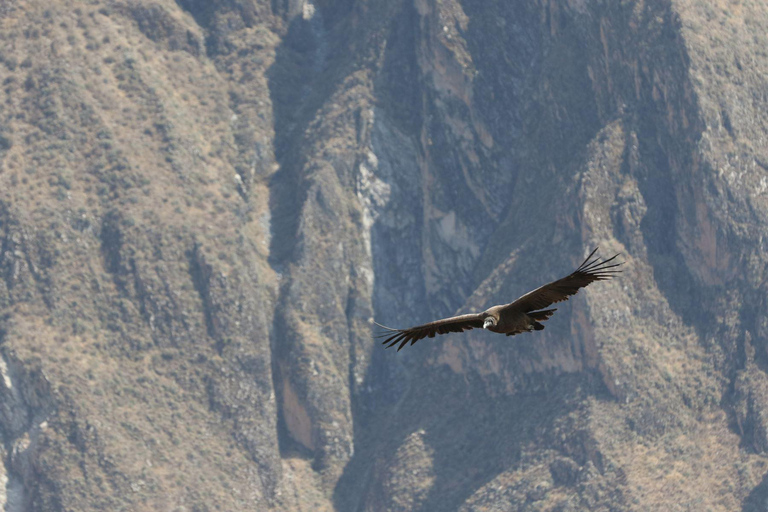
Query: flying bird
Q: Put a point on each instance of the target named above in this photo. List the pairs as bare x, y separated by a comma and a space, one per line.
523, 315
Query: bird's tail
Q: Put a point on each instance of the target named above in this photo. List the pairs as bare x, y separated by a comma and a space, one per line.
542, 315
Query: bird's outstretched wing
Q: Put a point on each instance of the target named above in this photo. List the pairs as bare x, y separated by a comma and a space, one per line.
459, 323
556, 291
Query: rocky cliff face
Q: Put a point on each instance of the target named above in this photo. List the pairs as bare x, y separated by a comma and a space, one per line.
204, 204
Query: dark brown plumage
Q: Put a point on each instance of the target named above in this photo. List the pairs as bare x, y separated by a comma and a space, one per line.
522, 315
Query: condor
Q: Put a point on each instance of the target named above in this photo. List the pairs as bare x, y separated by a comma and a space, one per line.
523, 315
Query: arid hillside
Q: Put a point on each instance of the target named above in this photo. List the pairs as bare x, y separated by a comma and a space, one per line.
205, 203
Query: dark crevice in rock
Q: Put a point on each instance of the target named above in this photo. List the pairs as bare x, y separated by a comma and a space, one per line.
201, 273
295, 92
757, 500
286, 444
398, 85
293, 83
203, 11
111, 237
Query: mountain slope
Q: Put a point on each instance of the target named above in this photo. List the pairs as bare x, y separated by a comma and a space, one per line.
204, 204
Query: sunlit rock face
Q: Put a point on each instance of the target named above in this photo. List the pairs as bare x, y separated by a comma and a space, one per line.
204, 205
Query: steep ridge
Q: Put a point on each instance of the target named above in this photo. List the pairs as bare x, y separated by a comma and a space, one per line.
135, 275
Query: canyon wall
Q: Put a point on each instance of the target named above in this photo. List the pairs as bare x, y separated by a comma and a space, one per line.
205, 204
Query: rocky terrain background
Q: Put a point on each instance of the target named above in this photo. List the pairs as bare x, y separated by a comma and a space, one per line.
205, 203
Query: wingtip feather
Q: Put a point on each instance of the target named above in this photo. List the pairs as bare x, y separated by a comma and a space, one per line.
384, 326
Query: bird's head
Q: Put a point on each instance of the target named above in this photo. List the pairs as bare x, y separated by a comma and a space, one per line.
489, 322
